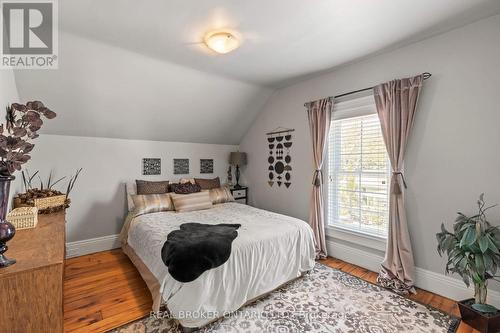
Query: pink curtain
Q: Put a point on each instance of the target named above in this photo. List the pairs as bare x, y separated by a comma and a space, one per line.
319, 114
396, 106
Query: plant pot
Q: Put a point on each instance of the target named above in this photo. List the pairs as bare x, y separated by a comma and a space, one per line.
478, 320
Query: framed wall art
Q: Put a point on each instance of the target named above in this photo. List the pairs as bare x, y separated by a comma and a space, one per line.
206, 165
151, 166
181, 166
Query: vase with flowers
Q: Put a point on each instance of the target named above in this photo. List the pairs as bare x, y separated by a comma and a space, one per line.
21, 125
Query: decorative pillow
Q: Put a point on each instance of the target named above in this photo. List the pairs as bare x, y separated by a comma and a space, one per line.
152, 203
172, 186
220, 195
149, 187
208, 184
187, 188
193, 201
187, 180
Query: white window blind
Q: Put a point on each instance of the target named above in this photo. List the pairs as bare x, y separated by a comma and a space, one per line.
359, 169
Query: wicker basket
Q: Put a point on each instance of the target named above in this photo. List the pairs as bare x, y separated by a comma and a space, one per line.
49, 202
23, 217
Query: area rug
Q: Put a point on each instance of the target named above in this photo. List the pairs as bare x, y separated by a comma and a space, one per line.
323, 300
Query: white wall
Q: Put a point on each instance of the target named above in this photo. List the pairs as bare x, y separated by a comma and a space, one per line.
8, 92
453, 154
8, 89
98, 200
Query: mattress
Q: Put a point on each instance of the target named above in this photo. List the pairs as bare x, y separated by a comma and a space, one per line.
270, 250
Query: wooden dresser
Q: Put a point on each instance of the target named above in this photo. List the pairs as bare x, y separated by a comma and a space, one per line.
31, 290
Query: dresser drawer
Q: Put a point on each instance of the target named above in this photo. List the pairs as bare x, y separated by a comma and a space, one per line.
239, 193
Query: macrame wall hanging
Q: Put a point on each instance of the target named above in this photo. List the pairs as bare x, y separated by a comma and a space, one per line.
279, 142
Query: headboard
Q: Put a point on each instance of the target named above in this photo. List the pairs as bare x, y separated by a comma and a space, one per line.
131, 189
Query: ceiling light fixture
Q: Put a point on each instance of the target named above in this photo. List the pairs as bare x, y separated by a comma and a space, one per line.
221, 41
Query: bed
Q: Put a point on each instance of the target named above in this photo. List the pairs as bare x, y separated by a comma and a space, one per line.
270, 250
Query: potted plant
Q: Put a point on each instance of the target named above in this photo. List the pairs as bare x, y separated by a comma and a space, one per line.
21, 126
473, 253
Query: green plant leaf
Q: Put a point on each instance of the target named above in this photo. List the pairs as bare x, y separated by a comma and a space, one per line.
491, 244
495, 231
468, 238
449, 243
455, 256
484, 308
483, 244
488, 262
465, 226
475, 248
462, 264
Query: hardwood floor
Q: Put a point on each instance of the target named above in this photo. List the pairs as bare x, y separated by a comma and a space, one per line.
103, 291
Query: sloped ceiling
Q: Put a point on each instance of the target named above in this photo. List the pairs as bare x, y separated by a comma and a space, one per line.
137, 70
105, 91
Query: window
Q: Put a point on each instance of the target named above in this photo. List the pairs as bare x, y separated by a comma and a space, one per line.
358, 169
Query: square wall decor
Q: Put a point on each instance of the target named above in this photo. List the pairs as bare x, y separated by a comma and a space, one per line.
151, 166
181, 166
206, 165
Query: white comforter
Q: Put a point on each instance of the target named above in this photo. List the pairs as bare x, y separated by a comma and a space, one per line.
270, 250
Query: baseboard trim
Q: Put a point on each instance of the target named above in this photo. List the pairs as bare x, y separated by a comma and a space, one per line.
83, 247
437, 283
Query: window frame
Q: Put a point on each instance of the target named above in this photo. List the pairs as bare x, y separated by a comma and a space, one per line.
350, 108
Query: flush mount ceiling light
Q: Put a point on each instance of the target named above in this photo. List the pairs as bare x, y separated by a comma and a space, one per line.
221, 41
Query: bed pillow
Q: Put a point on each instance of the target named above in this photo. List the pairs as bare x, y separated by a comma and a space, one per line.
191, 202
152, 203
187, 188
187, 180
220, 195
151, 187
208, 184
172, 186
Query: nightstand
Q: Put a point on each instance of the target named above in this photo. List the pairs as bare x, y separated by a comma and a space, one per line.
240, 194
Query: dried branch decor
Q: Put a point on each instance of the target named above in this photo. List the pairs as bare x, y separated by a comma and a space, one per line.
46, 198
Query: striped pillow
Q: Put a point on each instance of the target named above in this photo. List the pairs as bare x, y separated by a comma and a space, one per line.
193, 201
220, 195
152, 203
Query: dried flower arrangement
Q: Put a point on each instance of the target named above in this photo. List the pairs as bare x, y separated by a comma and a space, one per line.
22, 124
46, 198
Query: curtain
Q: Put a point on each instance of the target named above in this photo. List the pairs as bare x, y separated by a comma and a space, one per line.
396, 107
319, 114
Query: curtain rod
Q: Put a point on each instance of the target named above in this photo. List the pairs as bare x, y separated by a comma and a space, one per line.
282, 131
425, 74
